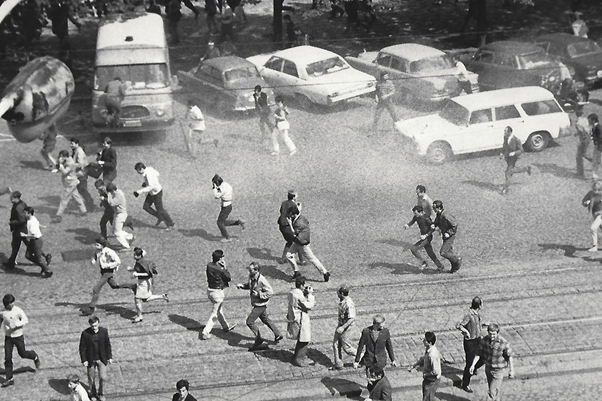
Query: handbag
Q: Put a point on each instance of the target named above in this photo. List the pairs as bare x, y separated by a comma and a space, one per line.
292, 330
282, 125
93, 170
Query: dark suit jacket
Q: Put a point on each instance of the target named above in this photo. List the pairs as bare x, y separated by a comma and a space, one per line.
382, 390
86, 346
109, 156
376, 352
597, 136
514, 146
176, 397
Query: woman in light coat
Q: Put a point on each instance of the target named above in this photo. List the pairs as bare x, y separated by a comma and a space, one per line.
300, 301
282, 127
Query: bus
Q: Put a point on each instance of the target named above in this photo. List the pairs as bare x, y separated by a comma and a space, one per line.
133, 48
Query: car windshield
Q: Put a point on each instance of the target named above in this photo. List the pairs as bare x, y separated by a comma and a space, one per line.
532, 60
454, 113
431, 64
241, 74
141, 76
583, 48
327, 66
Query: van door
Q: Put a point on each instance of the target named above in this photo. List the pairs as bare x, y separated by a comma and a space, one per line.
542, 115
480, 133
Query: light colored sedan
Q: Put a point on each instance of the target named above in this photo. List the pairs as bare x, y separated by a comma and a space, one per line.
312, 75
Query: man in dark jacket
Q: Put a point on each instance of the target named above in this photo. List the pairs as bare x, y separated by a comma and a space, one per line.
263, 109
593, 201
378, 385
96, 353
18, 226
377, 340
218, 286
446, 223
60, 14
301, 242
597, 137
107, 158
511, 150
426, 237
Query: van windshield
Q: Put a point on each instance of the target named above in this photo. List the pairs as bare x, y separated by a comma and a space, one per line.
141, 76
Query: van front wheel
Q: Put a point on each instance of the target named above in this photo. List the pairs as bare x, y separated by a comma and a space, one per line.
537, 141
439, 153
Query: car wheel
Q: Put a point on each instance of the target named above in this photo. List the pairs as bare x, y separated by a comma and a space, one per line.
537, 141
439, 153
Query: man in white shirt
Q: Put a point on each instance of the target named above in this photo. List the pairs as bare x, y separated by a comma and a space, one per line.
33, 238
81, 161
223, 191
152, 187
13, 319
431, 367
116, 198
108, 261
462, 74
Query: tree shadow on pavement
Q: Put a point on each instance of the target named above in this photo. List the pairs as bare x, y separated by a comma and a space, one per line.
199, 232
140, 224
125, 313
483, 185
403, 268
23, 272
569, 250
273, 272
558, 171
84, 235
60, 386
342, 387
189, 324
281, 355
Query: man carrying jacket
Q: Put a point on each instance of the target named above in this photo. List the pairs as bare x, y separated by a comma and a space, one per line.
261, 292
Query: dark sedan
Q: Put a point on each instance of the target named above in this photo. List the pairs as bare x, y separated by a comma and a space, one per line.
582, 54
508, 64
225, 83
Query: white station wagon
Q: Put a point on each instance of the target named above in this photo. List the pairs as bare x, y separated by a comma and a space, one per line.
476, 122
312, 75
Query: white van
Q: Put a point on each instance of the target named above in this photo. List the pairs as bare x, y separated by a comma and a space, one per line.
473, 123
133, 47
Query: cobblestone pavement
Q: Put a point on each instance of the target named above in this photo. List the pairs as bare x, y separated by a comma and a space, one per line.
523, 253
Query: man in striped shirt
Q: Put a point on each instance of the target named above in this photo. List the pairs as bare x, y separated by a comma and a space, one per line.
385, 93
497, 354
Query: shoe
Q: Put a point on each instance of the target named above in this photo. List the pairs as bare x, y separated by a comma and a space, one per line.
467, 389
242, 224
274, 154
225, 240
293, 152
423, 266
229, 329
256, 344
336, 368
277, 339
504, 191
206, 336
593, 249
48, 258
452, 271
137, 319
47, 274
7, 383
166, 297
54, 170
102, 398
170, 228
37, 362
326, 277
529, 170
440, 269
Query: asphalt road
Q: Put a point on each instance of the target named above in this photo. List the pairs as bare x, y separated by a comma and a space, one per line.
524, 252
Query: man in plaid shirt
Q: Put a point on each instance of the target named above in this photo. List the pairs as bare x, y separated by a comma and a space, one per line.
497, 354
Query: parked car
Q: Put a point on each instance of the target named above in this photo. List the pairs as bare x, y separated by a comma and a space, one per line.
225, 83
312, 75
476, 122
419, 72
583, 55
508, 64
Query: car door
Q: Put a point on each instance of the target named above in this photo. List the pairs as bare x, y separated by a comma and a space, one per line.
207, 82
479, 133
482, 64
272, 73
400, 72
290, 81
506, 116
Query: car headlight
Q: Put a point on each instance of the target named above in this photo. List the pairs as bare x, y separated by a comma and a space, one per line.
160, 112
552, 78
599, 74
